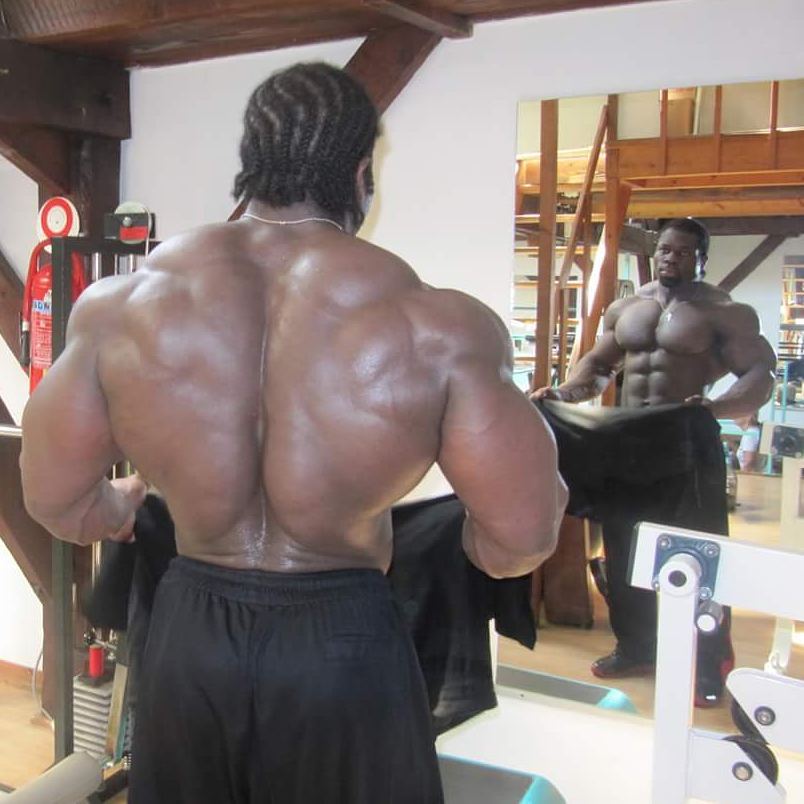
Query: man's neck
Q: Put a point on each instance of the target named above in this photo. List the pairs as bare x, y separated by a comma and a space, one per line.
684, 291
302, 211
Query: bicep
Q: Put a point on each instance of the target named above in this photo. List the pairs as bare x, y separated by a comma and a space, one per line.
742, 347
67, 441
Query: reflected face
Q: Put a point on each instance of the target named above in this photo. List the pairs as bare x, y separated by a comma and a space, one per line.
675, 257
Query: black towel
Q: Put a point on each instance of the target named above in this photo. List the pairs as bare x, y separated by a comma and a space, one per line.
446, 601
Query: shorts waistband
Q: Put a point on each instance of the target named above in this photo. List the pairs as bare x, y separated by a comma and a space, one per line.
278, 588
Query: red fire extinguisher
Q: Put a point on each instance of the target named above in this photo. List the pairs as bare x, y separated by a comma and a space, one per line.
37, 311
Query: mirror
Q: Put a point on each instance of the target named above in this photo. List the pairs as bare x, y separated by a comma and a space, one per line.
595, 179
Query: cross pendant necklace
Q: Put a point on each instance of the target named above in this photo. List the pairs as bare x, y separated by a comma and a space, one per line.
669, 309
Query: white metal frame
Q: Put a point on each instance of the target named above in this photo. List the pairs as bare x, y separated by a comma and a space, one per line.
690, 763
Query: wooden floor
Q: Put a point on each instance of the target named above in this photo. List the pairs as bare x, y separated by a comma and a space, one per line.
26, 739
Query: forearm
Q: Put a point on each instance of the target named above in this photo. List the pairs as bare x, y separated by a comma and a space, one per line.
749, 393
587, 381
500, 561
102, 513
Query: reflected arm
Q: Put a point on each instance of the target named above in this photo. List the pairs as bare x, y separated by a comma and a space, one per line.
598, 367
750, 357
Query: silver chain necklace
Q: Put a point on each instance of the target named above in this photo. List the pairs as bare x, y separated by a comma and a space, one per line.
668, 309
291, 223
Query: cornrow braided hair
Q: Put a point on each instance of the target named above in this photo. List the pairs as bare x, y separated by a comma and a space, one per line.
692, 227
306, 129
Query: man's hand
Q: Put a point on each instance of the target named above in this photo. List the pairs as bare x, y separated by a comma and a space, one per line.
131, 492
697, 399
546, 393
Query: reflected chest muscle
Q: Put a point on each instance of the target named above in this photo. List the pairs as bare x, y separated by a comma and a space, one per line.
680, 329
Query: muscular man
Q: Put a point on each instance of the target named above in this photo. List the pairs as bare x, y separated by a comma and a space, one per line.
283, 383
672, 340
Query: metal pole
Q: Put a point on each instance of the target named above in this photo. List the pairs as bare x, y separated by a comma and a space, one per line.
10, 431
62, 552
97, 267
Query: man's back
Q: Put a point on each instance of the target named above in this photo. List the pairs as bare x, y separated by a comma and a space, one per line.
283, 384
282, 389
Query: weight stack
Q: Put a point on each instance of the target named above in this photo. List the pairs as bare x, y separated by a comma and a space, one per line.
91, 707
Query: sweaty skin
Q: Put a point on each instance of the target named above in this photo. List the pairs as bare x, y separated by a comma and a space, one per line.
283, 386
673, 339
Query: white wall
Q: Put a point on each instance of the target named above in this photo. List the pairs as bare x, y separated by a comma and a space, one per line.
446, 180
19, 203
446, 177
20, 614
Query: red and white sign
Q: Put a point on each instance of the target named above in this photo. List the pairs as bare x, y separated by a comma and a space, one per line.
57, 218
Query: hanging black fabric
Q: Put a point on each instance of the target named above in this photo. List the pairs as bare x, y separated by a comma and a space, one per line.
447, 603
659, 464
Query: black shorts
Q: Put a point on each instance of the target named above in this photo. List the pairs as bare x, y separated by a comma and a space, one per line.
280, 688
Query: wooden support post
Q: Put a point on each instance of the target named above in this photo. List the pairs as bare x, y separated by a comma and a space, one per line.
664, 100
615, 214
773, 138
388, 59
95, 181
519, 196
617, 198
747, 266
96, 186
584, 198
548, 161
717, 128
588, 237
563, 332
643, 269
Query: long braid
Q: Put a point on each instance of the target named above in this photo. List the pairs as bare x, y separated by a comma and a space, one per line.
306, 129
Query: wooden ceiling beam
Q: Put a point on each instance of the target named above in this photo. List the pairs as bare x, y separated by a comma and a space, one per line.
571, 169
635, 240
9, 275
42, 154
10, 305
155, 32
715, 194
714, 209
639, 158
713, 202
43, 87
388, 59
44, 21
426, 17
789, 226
764, 178
718, 225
